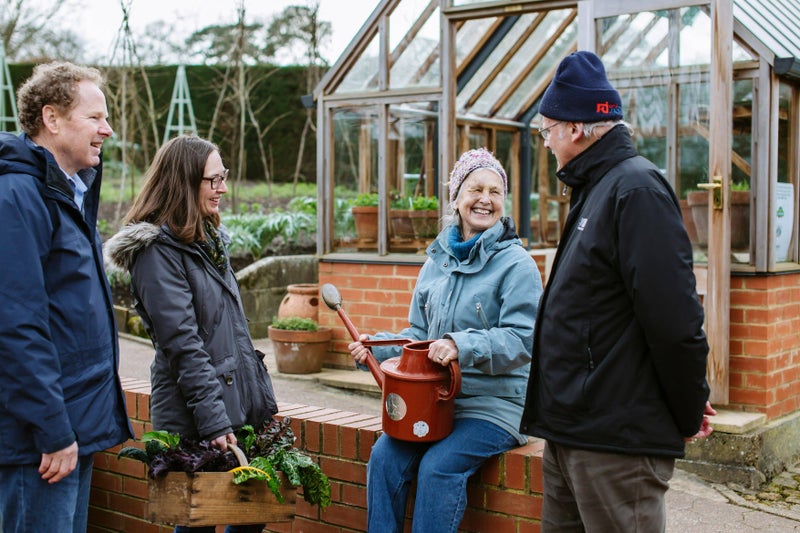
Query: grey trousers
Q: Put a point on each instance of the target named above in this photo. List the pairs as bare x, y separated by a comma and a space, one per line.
597, 492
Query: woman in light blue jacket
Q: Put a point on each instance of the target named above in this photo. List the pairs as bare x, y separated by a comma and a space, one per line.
478, 294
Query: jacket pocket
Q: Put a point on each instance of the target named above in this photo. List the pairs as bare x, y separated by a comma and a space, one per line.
229, 379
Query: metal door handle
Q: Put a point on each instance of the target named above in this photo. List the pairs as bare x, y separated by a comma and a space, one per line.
715, 186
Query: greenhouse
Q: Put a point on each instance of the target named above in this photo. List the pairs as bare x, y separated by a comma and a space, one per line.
712, 90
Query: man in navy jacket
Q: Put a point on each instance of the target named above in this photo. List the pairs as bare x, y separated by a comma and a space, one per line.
619, 360
60, 395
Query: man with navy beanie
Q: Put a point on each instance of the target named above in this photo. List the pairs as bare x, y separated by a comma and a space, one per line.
617, 383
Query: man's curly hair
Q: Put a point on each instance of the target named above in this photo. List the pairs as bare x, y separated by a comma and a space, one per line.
54, 84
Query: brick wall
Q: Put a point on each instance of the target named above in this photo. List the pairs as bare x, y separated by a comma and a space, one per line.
764, 344
503, 496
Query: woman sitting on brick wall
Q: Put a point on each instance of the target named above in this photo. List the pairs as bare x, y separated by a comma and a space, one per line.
477, 294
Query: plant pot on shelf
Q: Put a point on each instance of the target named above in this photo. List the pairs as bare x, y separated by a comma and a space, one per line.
425, 223
401, 223
740, 218
740, 221
299, 351
366, 221
552, 230
698, 204
688, 220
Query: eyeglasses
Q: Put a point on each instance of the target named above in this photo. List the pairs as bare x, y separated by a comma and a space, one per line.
545, 132
216, 179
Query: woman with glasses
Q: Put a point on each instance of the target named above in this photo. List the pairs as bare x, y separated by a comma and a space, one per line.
207, 378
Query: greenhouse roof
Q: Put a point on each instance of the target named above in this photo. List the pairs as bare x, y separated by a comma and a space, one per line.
503, 63
776, 24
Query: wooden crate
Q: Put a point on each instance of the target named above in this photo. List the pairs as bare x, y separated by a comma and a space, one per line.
211, 498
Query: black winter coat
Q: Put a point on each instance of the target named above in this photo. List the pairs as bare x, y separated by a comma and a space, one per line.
619, 358
207, 378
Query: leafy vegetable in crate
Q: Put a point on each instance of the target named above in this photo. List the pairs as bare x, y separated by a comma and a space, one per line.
269, 450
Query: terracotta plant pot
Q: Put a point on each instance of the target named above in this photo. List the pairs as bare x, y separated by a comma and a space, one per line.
300, 352
740, 218
301, 300
402, 225
426, 223
698, 203
366, 221
688, 220
740, 221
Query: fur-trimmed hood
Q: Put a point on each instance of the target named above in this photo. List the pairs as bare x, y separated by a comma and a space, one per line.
120, 249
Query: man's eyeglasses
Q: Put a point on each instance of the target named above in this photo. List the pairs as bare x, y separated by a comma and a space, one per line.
545, 132
216, 179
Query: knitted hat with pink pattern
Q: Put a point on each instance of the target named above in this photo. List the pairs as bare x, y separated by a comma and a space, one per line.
470, 161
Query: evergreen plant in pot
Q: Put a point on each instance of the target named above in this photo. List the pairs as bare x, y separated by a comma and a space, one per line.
300, 344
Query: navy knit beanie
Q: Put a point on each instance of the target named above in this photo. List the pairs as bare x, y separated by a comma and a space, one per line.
580, 92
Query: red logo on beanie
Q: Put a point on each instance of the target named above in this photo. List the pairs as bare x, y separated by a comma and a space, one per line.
605, 107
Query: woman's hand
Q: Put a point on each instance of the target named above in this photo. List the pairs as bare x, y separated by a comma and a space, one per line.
358, 350
443, 351
221, 442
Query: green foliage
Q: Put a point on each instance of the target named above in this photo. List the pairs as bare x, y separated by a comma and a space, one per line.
268, 451
740, 186
343, 223
169, 440
253, 233
366, 199
155, 444
295, 323
425, 203
400, 202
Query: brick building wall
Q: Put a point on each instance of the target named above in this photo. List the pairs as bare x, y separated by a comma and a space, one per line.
764, 326
504, 496
765, 344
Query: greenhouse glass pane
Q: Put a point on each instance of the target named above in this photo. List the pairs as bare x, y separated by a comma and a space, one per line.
414, 44
411, 180
497, 55
641, 40
472, 2
355, 175
363, 75
537, 77
469, 36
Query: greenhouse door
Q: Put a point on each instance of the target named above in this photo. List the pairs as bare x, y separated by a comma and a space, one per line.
681, 105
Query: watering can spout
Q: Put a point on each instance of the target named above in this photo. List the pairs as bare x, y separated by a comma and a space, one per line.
333, 299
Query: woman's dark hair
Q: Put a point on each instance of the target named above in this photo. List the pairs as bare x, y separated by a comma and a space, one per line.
171, 188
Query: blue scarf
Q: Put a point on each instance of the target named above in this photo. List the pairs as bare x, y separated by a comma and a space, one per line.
460, 247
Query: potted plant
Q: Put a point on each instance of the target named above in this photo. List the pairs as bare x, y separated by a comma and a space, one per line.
365, 216
300, 344
740, 215
425, 216
400, 217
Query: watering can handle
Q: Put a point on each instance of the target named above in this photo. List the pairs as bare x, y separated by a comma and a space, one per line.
455, 383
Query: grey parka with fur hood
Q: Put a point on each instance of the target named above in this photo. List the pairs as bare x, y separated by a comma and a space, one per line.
207, 378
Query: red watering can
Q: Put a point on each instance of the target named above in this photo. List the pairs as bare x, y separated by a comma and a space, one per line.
418, 395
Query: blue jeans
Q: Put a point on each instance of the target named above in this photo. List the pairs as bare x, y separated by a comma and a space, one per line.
229, 529
28, 503
441, 469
